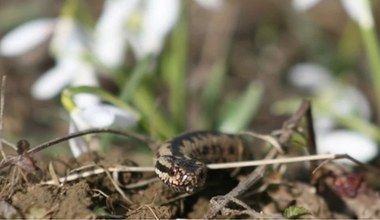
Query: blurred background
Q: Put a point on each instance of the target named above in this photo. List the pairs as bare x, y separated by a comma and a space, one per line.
172, 66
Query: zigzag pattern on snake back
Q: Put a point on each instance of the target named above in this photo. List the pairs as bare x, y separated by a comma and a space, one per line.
181, 162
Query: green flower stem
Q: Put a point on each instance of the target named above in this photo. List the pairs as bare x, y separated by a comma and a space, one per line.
67, 100
372, 48
369, 36
79, 11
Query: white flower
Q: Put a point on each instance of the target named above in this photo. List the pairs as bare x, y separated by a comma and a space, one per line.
97, 116
343, 100
348, 142
211, 4
69, 45
26, 37
144, 24
70, 39
310, 76
109, 35
358, 10
303, 5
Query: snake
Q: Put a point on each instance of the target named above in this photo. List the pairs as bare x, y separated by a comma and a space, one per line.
181, 162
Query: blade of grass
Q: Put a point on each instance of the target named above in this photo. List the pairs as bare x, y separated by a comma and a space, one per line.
368, 32
372, 50
352, 122
152, 119
241, 111
173, 67
211, 94
143, 68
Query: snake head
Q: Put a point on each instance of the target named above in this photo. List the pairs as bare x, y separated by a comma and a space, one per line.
180, 173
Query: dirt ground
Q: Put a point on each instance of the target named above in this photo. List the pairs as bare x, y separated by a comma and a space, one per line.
31, 189
30, 185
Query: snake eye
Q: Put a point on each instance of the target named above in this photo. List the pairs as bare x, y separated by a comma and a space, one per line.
171, 171
202, 175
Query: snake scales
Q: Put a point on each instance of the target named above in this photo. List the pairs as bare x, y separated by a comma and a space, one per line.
181, 162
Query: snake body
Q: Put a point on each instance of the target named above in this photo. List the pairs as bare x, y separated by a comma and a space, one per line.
181, 162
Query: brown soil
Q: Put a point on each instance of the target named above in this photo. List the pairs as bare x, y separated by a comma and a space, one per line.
333, 191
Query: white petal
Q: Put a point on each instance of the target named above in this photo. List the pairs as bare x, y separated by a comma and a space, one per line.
77, 145
159, 17
109, 35
359, 11
309, 76
54, 80
26, 37
352, 143
123, 118
97, 116
80, 122
323, 124
211, 4
303, 5
350, 101
110, 48
69, 39
85, 76
85, 100
106, 115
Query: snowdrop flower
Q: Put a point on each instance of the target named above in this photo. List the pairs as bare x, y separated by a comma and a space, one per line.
348, 142
69, 45
26, 37
303, 5
139, 24
211, 4
311, 77
358, 10
143, 24
97, 116
344, 100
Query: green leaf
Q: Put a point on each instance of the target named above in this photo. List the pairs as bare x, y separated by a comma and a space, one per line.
295, 212
173, 67
143, 68
240, 112
152, 120
211, 94
100, 211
